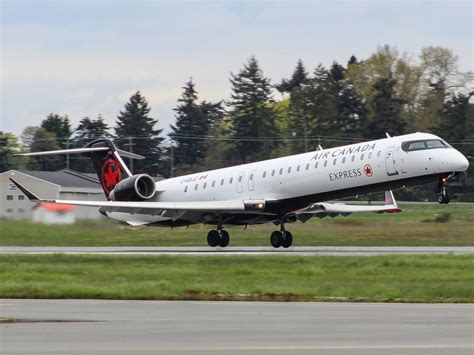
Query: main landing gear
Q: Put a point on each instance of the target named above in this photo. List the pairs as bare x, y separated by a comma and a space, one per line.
281, 238
443, 197
219, 237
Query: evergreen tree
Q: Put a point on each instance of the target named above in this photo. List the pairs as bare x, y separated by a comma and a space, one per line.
60, 126
251, 115
193, 122
135, 132
385, 110
454, 118
351, 112
8, 146
352, 60
317, 109
87, 131
43, 140
298, 78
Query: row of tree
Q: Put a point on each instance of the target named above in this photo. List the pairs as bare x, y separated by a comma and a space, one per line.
344, 103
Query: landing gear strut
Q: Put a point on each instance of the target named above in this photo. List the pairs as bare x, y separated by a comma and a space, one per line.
443, 197
281, 238
219, 237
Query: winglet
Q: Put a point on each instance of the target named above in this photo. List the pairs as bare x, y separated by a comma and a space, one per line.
27, 192
390, 201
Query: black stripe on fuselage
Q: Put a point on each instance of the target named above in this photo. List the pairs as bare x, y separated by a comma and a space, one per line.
284, 206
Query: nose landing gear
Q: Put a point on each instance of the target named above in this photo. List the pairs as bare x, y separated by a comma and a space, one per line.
443, 197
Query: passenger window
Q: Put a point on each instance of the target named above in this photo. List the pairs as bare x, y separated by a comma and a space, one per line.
316, 165
213, 183
334, 162
370, 155
240, 178
264, 174
353, 158
289, 170
362, 156
231, 179
298, 168
378, 154
281, 171
273, 172
222, 182
343, 160
325, 163
196, 186
186, 188
251, 176
307, 166
205, 185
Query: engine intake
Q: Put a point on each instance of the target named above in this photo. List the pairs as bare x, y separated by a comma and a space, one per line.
134, 188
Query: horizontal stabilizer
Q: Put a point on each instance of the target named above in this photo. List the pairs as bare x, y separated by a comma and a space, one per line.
123, 153
31, 196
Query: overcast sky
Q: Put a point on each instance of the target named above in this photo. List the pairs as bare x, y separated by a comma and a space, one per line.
84, 58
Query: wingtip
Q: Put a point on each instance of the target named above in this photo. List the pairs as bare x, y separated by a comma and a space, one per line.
27, 192
390, 199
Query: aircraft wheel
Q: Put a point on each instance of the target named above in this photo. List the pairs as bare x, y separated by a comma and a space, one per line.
213, 238
287, 239
275, 239
223, 238
443, 199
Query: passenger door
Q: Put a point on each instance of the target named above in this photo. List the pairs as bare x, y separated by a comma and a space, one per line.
390, 161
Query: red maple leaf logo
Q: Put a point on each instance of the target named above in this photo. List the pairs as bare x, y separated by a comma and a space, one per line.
111, 174
368, 170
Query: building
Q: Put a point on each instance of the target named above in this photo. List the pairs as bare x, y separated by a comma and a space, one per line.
64, 185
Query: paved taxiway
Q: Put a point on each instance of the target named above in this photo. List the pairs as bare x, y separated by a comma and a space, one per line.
171, 327
340, 251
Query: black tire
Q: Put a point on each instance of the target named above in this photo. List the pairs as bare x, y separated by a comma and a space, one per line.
446, 199
287, 239
213, 238
440, 198
275, 239
223, 239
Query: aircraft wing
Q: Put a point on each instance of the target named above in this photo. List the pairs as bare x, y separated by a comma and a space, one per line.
333, 209
151, 207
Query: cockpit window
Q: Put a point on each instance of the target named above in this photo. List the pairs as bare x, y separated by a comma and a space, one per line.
424, 144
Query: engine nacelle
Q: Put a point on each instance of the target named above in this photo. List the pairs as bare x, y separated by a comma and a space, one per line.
134, 188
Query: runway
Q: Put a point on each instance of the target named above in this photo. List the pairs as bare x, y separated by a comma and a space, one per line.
171, 327
337, 251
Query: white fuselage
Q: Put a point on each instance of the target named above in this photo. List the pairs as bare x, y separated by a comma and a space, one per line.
313, 176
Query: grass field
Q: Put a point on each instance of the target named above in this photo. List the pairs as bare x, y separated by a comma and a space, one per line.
391, 278
419, 224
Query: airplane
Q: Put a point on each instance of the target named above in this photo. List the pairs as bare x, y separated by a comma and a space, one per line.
281, 191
